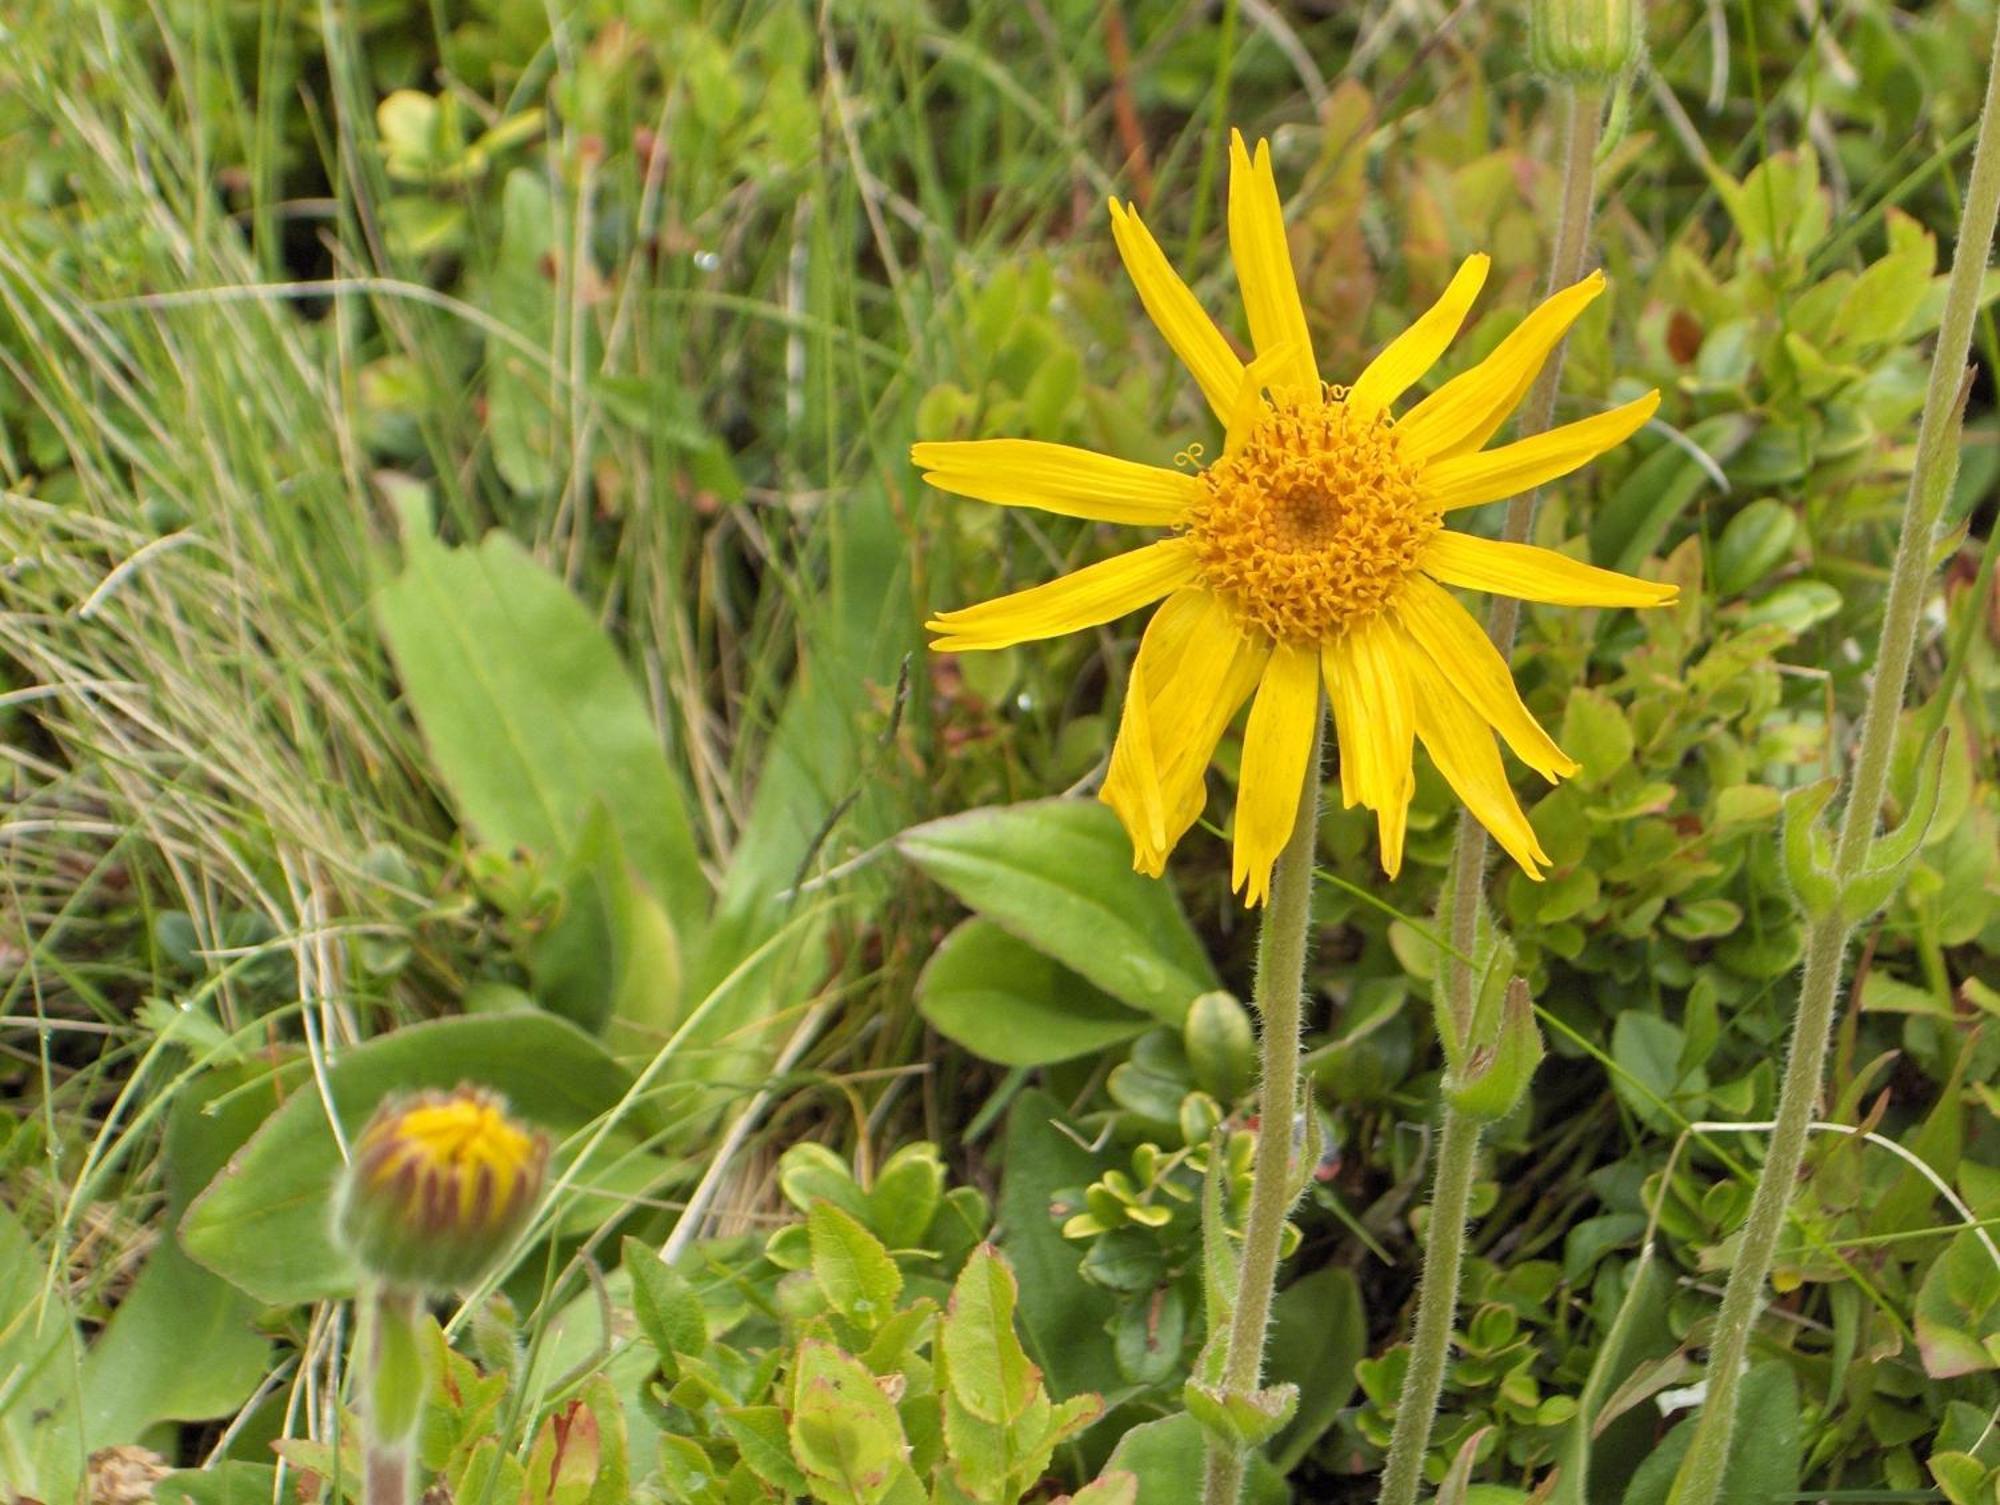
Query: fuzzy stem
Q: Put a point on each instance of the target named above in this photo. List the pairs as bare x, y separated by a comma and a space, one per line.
1582, 113
1281, 965
1437, 1305
1701, 1475
395, 1395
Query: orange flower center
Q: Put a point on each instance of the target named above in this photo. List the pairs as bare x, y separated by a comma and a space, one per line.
1313, 521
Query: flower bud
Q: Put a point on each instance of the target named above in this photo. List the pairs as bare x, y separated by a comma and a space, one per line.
439, 1186
1583, 41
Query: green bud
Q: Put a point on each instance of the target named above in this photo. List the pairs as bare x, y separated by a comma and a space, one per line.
439, 1186
1583, 41
1221, 1045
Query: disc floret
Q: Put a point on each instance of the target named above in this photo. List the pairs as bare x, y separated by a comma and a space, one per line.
1313, 520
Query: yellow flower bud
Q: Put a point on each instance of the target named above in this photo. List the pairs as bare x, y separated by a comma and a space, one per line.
1586, 41
439, 1186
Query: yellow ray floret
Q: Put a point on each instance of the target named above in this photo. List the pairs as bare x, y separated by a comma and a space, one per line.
1305, 569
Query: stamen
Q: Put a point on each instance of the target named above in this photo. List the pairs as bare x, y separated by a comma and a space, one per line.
1314, 521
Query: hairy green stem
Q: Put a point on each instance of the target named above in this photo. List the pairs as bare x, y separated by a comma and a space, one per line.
1281, 965
1582, 112
1437, 1305
1701, 1475
395, 1395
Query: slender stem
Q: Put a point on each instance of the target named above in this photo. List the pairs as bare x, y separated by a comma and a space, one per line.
1281, 965
395, 1395
1437, 1305
1581, 121
1701, 1475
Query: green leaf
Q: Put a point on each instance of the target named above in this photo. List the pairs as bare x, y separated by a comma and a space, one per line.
1319, 1332
1169, 1459
522, 399
1595, 733
40, 1442
1248, 1418
990, 1371
845, 1433
859, 1278
1002, 999
529, 716
136, 1373
263, 1224
1115, 1487
1648, 1050
1958, 1310
230, 1482
908, 1190
1754, 542
668, 1311
759, 1435
1765, 1453
1062, 1314
1058, 875
610, 956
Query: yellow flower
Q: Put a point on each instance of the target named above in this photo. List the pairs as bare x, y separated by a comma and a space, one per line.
439, 1186
1312, 552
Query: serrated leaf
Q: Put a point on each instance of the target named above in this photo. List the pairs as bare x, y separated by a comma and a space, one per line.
669, 1313
761, 1440
845, 1433
989, 1370
860, 1280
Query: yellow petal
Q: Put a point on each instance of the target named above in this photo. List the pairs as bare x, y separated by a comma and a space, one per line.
1058, 478
1194, 670
1175, 311
1405, 359
1373, 721
1468, 480
1533, 574
1468, 410
1264, 263
1461, 650
1097, 593
1248, 406
1276, 745
1461, 744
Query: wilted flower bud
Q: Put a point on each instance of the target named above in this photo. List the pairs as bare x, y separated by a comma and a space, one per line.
439, 1185
1587, 41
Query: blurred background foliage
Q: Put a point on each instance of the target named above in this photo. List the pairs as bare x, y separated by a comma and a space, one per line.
462, 585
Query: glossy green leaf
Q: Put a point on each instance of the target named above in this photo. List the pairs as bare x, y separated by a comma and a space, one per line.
1058, 875
1002, 999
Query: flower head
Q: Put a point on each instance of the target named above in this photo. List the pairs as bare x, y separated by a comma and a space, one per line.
439, 1185
1312, 553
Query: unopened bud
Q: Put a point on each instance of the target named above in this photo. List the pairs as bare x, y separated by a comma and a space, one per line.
439, 1186
1583, 41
